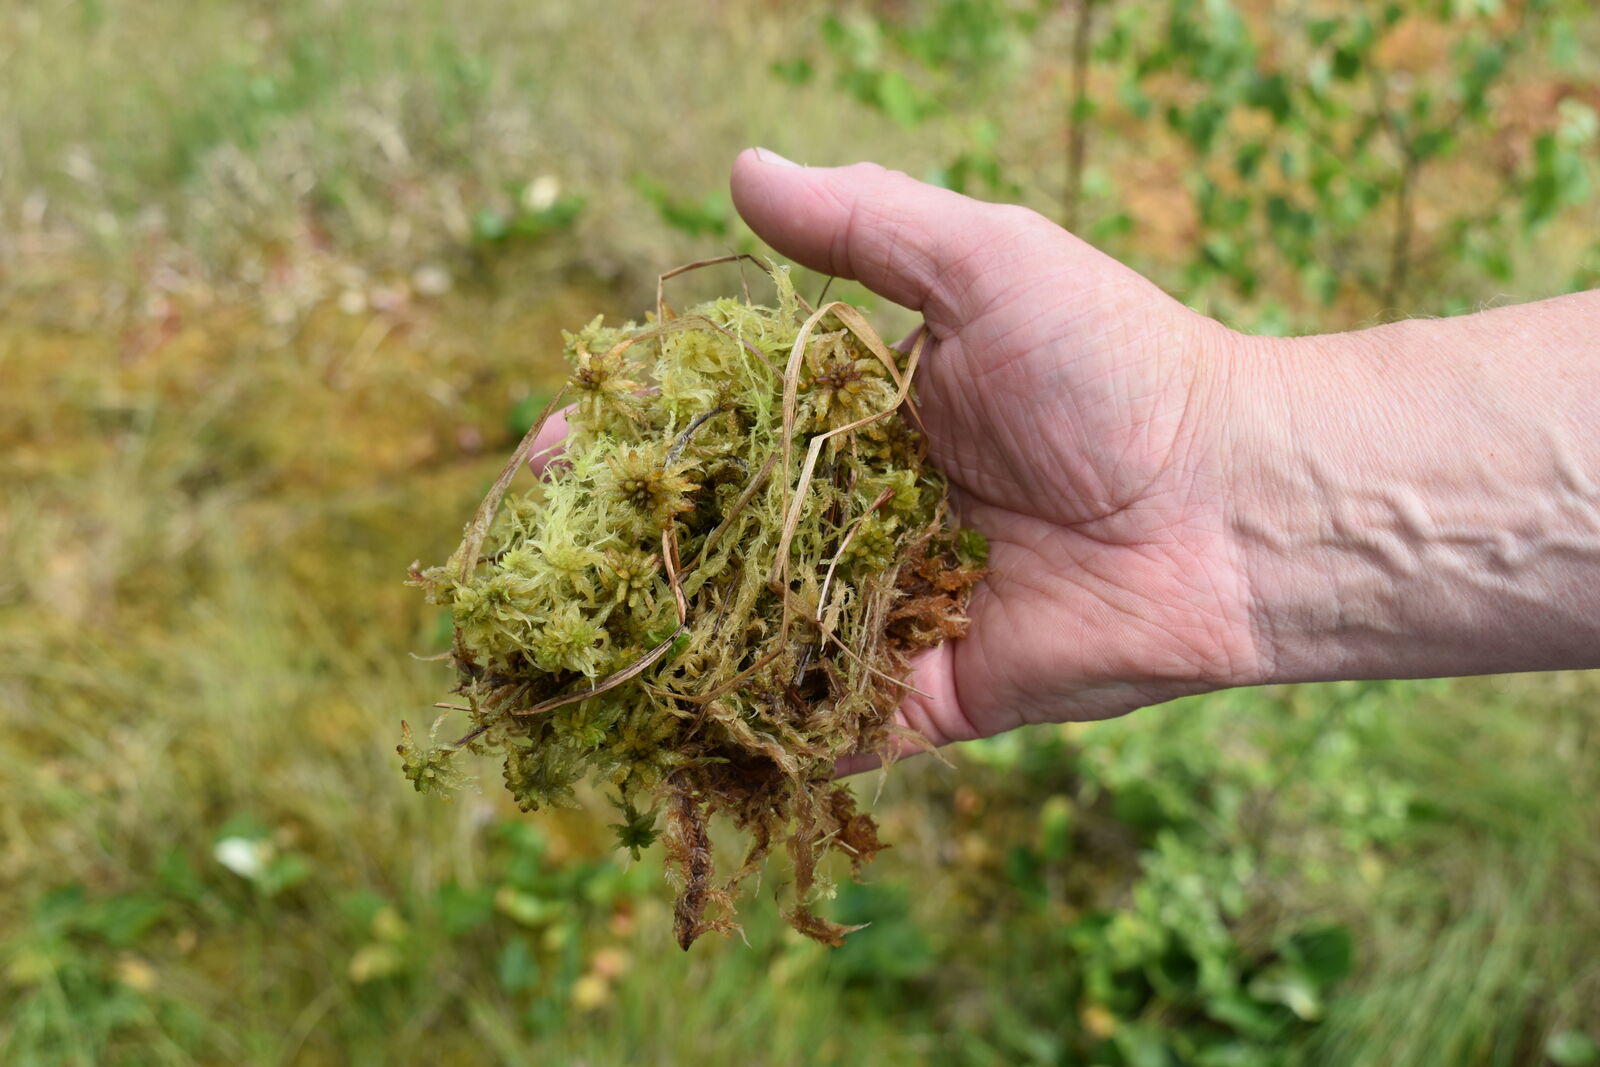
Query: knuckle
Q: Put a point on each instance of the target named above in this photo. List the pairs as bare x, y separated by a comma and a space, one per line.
870, 170
1016, 221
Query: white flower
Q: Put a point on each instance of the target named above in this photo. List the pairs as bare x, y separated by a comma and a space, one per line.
244, 857
541, 193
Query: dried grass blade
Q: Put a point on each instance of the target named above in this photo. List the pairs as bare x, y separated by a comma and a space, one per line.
822, 597
792, 521
669, 557
791, 380
661, 279
857, 324
732, 683
869, 668
732, 513
627, 674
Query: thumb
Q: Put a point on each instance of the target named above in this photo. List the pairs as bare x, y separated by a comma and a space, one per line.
923, 247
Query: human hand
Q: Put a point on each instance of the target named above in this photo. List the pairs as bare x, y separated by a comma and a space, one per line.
1079, 414
1173, 507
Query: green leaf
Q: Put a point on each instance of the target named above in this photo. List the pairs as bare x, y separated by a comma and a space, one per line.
246, 826
284, 873
707, 216
1247, 161
525, 908
833, 32
859, 42
1560, 178
525, 412
489, 226
1563, 43
1431, 143
517, 967
1270, 92
1320, 282
1579, 125
461, 909
1132, 96
1056, 817
1290, 224
795, 71
898, 98
1023, 869
559, 215
1347, 62
1325, 954
1320, 31
1572, 1048
178, 876
1249, 1017
375, 961
58, 910
1291, 987
1486, 65
1112, 226
1143, 1045
122, 920
360, 905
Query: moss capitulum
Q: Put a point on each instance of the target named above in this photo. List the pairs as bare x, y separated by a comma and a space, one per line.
713, 594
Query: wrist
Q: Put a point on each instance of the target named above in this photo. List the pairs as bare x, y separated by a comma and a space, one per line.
1277, 460
1419, 499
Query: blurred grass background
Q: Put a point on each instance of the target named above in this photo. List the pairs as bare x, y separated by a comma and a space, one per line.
281, 282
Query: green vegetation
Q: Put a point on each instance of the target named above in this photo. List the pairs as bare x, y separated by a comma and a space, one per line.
713, 595
281, 285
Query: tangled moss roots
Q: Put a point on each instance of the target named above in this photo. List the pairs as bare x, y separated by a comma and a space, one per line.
713, 594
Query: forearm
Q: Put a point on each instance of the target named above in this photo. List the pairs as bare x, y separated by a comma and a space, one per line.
1423, 499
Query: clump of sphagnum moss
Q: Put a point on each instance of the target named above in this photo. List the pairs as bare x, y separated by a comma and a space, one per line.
712, 594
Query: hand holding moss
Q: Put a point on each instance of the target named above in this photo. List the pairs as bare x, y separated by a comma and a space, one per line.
694, 613
1173, 507
1076, 410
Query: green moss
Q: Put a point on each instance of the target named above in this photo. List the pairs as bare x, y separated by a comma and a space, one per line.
696, 605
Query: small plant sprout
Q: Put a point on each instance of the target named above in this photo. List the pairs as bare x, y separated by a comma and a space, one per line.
714, 595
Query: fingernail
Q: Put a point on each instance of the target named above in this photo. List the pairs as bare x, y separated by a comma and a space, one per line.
767, 155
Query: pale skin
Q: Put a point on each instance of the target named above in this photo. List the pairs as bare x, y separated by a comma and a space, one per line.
1173, 507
